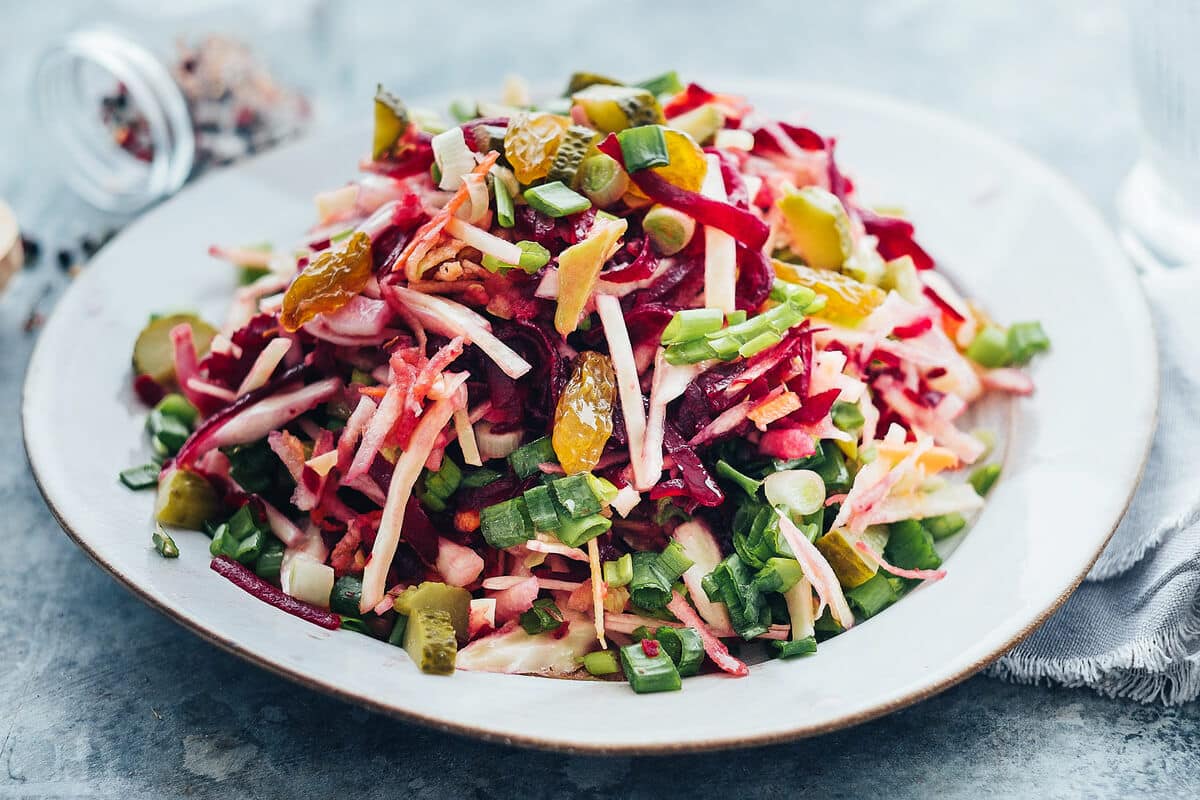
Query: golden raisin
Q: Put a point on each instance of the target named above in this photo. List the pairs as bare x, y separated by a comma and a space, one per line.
583, 420
330, 280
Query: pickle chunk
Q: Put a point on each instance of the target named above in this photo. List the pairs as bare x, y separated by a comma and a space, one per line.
615, 108
429, 641
437, 596
852, 567
819, 225
185, 500
154, 353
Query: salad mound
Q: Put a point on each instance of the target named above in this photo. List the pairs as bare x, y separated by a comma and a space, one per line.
602, 384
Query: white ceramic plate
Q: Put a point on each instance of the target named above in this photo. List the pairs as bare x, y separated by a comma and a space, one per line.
1011, 231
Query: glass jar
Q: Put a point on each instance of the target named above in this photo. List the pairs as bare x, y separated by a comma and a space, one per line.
128, 125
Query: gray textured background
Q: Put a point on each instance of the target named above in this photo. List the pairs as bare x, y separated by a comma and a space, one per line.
102, 697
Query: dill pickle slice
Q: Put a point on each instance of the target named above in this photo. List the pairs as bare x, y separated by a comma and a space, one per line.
582, 80
819, 226
615, 108
154, 352
574, 147
456, 602
847, 301
849, 564
185, 500
430, 641
391, 122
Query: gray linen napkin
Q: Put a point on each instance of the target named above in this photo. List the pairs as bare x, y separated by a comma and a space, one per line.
1132, 629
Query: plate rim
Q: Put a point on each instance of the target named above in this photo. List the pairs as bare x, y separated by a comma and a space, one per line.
848, 96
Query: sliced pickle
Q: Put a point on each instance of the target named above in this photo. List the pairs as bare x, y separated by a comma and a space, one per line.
853, 568
185, 500
575, 145
615, 108
456, 602
819, 226
430, 641
154, 352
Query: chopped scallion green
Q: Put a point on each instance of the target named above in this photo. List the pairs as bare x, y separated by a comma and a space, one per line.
944, 526
873, 596
505, 213
984, 478
643, 147
692, 323
544, 616
744, 482
506, 524
556, 199
578, 532
526, 458
142, 477
667, 83
684, 647
647, 673
910, 546
847, 416
346, 595
620, 572
601, 662
163, 543
574, 493
989, 348
1025, 340
542, 511
799, 647
270, 560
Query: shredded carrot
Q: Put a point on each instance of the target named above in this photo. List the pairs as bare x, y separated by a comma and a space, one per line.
773, 408
374, 392
427, 234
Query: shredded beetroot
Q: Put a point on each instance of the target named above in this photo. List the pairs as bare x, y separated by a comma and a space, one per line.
693, 96
639, 269
895, 238
243, 578
915, 329
738, 223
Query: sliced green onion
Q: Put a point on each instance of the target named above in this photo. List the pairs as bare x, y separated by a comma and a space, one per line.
177, 406
356, 624
745, 482
163, 543
533, 257
477, 479
603, 488
648, 587
759, 343
785, 292
944, 526
601, 662
799, 647
669, 230
167, 433
779, 575
692, 323
526, 459
833, 469
243, 523
249, 549
142, 477
643, 147
602, 180
847, 416
578, 532
556, 199
667, 83
673, 562
270, 560
620, 572
1025, 340
869, 598
346, 595
544, 616
726, 347
505, 213
736, 317
647, 673
574, 493
731, 583
684, 647
989, 348
542, 511
910, 546
222, 543
692, 352
800, 491
506, 524
984, 478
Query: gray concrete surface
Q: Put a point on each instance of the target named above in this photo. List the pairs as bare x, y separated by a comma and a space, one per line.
102, 697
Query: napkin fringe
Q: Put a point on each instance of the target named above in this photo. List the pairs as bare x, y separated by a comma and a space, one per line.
1148, 670
1114, 562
